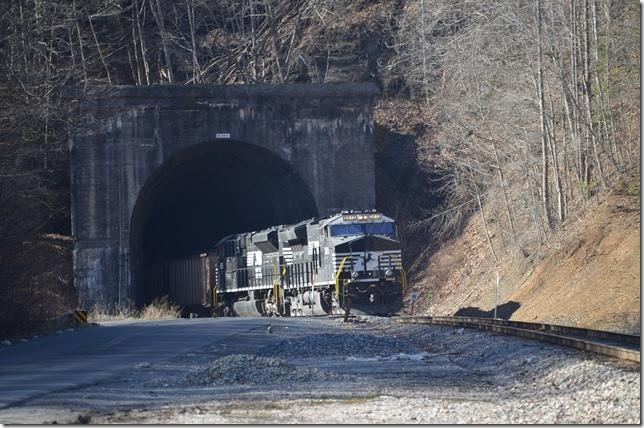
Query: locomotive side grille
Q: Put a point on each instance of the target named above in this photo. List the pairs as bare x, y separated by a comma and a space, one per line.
313, 245
388, 259
287, 252
351, 260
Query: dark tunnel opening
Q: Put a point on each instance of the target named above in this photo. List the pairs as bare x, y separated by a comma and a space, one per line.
204, 193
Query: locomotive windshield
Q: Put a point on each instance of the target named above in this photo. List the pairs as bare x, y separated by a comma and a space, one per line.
380, 229
347, 229
385, 228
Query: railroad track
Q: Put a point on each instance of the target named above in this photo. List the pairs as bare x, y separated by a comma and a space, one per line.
618, 345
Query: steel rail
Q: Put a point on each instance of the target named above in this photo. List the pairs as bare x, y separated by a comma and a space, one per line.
564, 330
622, 346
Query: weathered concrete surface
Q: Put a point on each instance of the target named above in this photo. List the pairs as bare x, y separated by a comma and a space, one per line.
126, 134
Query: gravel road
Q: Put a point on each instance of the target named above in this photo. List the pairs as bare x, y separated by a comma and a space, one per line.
375, 371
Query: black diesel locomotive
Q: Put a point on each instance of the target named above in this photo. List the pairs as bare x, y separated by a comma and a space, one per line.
320, 266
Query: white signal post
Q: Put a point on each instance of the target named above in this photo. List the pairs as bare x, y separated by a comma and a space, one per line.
414, 297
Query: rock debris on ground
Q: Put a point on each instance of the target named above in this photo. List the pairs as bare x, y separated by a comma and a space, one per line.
373, 371
394, 373
250, 369
331, 344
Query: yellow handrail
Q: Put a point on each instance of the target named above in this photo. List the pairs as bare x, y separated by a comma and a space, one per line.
337, 277
281, 293
276, 283
404, 279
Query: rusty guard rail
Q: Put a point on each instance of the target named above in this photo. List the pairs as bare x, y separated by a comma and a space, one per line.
618, 345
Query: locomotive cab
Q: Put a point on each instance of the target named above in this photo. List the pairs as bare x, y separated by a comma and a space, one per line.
368, 261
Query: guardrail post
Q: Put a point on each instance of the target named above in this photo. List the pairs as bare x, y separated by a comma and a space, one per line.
496, 298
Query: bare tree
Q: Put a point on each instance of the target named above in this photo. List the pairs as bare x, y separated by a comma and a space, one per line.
520, 88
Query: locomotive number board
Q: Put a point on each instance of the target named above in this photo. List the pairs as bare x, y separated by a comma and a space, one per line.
362, 217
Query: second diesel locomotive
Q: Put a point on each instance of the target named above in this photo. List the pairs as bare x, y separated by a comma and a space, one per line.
350, 260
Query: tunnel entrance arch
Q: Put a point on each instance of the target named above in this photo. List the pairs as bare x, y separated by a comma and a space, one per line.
129, 143
206, 192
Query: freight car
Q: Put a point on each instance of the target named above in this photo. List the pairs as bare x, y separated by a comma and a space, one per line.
321, 266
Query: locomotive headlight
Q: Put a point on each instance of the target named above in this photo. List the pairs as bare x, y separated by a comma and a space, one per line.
389, 273
354, 275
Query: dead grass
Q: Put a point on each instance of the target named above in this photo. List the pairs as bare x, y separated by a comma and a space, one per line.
109, 313
160, 308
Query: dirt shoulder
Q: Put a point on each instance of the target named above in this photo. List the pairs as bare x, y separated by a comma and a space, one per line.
587, 274
593, 279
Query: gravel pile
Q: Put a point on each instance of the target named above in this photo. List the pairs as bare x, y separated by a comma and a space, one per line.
321, 345
244, 369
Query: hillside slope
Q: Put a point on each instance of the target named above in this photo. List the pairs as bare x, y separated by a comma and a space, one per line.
587, 275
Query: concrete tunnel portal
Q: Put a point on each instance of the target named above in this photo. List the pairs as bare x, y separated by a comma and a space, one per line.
166, 171
204, 193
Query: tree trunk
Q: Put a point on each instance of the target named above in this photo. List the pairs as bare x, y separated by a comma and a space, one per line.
138, 77
80, 43
603, 122
423, 51
480, 204
100, 53
582, 167
589, 96
277, 51
555, 161
196, 69
157, 13
533, 200
545, 164
139, 26
253, 40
